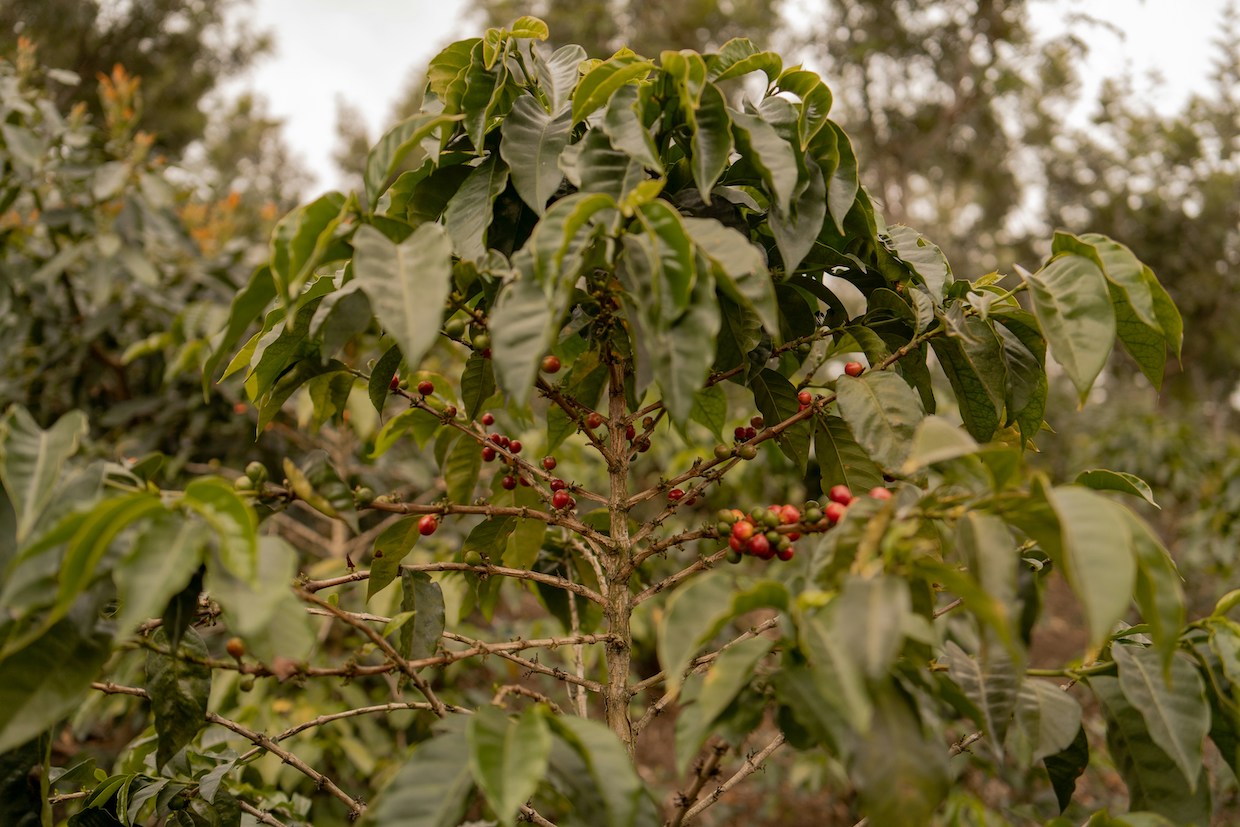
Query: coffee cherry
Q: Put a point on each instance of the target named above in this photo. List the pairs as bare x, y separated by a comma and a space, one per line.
487, 419
515, 446
498, 439
742, 529
488, 453
840, 494
364, 496
504, 441
449, 412
676, 494
481, 340
395, 383
630, 432
739, 433
455, 328
723, 528
757, 421
647, 423
548, 463
243, 484
560, 499
789, 514
426, 387
558, 485
812, 515
751, 432
747, 452
427, 525
509, 482
593, 420
256, 471
854, 368
737, 544
834, 512
734, 556
235, 647
880, 493
641, 446
725, 515
551, 364
760, 546
785, 554
473, 558
722, 452
805, 397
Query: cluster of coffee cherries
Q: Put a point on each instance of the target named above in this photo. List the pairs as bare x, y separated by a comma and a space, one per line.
758, 533
560, 498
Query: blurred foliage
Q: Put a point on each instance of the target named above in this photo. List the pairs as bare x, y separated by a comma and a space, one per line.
182, 50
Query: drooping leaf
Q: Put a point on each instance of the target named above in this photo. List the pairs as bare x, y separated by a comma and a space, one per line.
31, 461
460, 469
971, 356
532, 142
381, 377
601, 82
1073, 308
392, 148
1047, 721
508, 758
406, 283
469, 212
773, 157
1159, 592
179, 687
776, 399
882, 412
1171, 702
795, 229
841, 460
1154, 780
432, 788
1067, 765
391, 547
1101, 479
922, 257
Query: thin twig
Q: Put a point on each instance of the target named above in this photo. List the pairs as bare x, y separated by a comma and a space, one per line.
706, 770
313, 586
263, 816
517, 689
479, 647
751, 765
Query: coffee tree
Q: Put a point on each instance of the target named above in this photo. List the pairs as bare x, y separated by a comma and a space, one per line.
616, 314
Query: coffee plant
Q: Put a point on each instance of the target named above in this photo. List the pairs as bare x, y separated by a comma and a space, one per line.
627, 321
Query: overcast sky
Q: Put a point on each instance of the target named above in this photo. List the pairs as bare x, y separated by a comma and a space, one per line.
363, 50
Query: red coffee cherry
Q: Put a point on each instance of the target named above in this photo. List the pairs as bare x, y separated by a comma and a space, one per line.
854, 368
551, 364
560, 499
427, 525
426, 387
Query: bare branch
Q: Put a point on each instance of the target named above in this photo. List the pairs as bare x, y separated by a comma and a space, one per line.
751, 765
706, 770
313, 586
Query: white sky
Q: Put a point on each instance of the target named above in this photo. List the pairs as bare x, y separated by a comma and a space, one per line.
363, 51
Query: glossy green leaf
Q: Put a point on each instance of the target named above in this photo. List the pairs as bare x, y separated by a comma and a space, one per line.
532, 143
815, 101
558, 74
1066, 766
922, 257
460, 470
601, 167
1154, 780
1046, 722
406, 283
522, 333
663, 263
1172, 703
776, 399
796, 229
380, 383
710, 409
739, 57
300, 241
391, 547
1168, 314
1121, 268
1073, 308
883, 412
773, 157
396, 143
1101, 479
728, 675
841, 460
31, 461
740, 267
972, 358
477, 384
601, 82
623, 124
179, 688
1159, 592
844, 183
508, 758
432, 788
469, 211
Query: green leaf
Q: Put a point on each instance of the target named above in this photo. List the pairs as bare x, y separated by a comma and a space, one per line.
1159, 593
1073, 308
937, 440
526, 539
623, 124
468, 214
601, 82
1172, 703
181, 609
1119, 265
245, 308
490, 537
477, 384
739, 265
1066, 766
406, 283
1026, 398
704, 110
31, 460
841, 460
991, 682
264, 612
662, 262
883, 412
776, 399
508, 758
589, 760
318, 485
165, 556
531, 144
901, 776
690, 616
1154, 780
557, 74
796, 229
461, 468
1168, 314
1046, 721
179, 688
601, 167
391, 547
844, 184
380, 383
521, 326
972, 358
773, 157
392, 148
739, 57
432, 788
1100, 479
728, 675
47, 681
834, 671
301, 239
867, 619
710, 409
815, 101
422, 424
683, 353
922, 257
